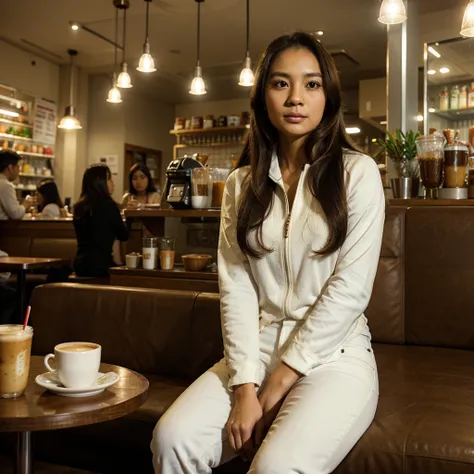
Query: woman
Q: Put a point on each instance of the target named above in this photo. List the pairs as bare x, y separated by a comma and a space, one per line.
97, 222
141, 187
48, 199
301, 229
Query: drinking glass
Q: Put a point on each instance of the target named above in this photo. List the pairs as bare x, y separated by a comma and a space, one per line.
430, 155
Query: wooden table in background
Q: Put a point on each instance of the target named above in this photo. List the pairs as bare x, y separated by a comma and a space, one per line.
20, 266
40, 409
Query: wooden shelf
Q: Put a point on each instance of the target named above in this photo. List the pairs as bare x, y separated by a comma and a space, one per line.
12, 122
40, 156
13, 99
15, 137
211, 145
26, 175
172, 213
431, 202
238, 128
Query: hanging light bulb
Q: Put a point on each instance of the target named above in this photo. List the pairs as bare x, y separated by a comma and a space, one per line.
198, 86
146, 63
467, 28
70, 121
114, 97
392, 12
124, 81
246, 75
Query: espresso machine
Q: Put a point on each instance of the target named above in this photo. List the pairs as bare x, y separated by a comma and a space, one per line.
178, 183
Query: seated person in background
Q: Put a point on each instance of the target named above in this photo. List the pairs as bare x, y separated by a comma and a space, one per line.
48, 199
7, 298
141, 188
10, 208
97, 222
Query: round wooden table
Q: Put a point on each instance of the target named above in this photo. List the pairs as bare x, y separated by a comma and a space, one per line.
40, 409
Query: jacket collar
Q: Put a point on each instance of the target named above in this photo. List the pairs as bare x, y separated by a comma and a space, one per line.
275, 172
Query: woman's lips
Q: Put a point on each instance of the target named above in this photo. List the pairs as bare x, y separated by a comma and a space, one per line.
294, 118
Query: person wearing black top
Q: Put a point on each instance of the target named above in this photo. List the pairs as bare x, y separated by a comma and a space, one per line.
97, 222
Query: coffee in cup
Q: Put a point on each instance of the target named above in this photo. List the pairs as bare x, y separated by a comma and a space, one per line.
77, 363
15, 352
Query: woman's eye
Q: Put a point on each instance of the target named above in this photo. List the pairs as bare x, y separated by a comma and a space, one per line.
313, 85
280, 84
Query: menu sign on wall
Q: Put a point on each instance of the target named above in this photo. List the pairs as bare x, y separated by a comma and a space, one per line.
44, 130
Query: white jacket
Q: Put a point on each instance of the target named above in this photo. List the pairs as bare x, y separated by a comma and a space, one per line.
327, 295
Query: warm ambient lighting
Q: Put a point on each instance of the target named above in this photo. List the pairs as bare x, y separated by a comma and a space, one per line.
246, 76
434, 52
70, 121
8, 113
444, 70
431, 72
374, 140
392, 12
74, 26
146, 63
383, 122
198, 87
419, 118
431, 110
320, 33
352, 130
467, 28
124, 81
114, 97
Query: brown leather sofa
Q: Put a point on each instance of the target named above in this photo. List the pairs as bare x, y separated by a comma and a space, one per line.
421, 320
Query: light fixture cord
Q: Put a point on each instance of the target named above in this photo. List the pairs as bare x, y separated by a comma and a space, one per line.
147, 16
248, 25
124, 34
198, 31
116, 40
71, 83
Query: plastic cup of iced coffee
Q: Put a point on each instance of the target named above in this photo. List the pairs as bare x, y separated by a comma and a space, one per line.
15, 352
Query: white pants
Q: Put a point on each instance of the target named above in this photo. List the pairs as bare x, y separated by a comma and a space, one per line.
321, 419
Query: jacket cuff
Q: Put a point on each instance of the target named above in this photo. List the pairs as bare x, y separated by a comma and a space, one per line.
243, 372
300, 359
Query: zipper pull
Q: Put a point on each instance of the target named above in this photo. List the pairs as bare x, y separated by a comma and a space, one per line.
287, 225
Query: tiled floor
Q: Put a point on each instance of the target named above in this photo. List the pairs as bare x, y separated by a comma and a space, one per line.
40, 468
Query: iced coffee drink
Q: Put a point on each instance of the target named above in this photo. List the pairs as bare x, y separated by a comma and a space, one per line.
15, 351
430, 154
456, 157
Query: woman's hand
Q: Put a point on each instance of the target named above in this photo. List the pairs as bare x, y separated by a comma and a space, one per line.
271, 398
245, 413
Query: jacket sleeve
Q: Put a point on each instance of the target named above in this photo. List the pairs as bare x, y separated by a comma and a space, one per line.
120, 228
8, 200
348, 290
238, 298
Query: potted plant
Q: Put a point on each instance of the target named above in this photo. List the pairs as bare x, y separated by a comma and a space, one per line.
401, 149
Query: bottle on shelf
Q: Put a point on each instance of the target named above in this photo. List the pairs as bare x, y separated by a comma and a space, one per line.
454, 102
444, 99
470, 97
463, 98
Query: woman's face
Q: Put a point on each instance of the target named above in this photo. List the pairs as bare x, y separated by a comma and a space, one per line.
139, 181
110, 185
294, 93
39, 199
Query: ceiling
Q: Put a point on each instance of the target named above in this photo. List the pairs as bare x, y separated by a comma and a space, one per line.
350, 29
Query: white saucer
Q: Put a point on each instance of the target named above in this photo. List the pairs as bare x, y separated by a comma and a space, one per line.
51, 382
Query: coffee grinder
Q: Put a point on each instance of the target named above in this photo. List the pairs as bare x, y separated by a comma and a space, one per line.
178, 182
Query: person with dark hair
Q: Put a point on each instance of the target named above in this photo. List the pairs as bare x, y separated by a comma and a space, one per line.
141, 188
97, 222
48, 199
10, 208
301, 230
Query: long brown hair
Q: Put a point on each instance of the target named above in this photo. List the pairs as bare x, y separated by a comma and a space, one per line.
323, 149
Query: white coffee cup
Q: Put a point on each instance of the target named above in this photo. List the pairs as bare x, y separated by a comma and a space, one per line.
77, 363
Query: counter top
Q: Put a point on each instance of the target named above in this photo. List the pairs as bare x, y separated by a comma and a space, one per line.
172, 213
431, 202
177, 272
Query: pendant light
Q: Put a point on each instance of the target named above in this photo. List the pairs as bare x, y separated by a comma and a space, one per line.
70, 121
198, 87
246, 75
467, 28
124, 81
115, 97
392, 12
146, 63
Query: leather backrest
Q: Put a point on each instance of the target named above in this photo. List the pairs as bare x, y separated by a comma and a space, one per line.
57, 248
386, 308
170, 333
440, 276
17, 247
